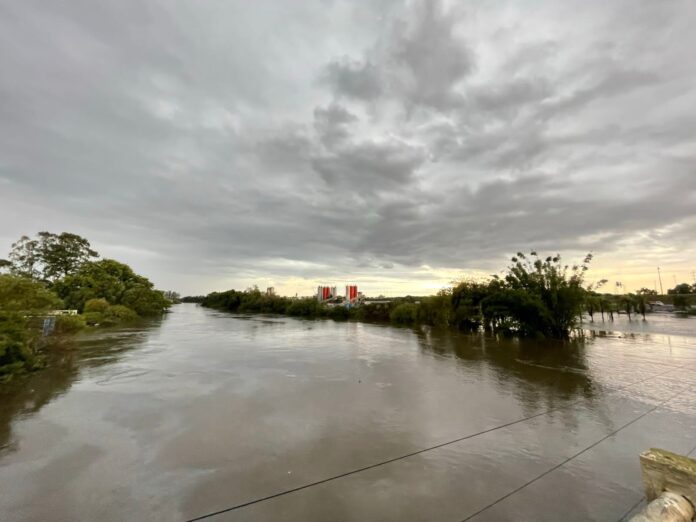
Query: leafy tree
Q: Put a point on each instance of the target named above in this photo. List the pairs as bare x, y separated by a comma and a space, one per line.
99, 306
404, 313
466, 304
539, 297
25, 257
436, 310
647, 291
116, 282
23, 295
50, 256
173, 297
20, 298
680, 289
144, 300
680, 301
119, 314
63, 254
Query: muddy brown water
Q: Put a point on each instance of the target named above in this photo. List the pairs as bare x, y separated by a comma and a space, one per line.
204, 411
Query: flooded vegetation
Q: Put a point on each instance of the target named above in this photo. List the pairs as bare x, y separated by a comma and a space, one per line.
204, 411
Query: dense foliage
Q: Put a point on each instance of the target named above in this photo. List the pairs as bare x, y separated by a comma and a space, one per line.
49, 257
55, 271
113, 281
20, 300
536, 297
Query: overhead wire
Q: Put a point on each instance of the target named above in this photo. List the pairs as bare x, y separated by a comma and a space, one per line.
572, 457
411, 454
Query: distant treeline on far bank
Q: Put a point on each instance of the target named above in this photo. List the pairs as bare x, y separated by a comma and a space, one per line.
535, 297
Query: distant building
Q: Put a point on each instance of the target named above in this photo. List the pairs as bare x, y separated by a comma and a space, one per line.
324, 293
270, 291
352, 293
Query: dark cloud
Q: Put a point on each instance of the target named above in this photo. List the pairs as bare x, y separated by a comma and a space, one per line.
371, 165
195, 142
353, 79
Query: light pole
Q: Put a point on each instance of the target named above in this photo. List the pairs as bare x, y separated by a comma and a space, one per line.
659, 276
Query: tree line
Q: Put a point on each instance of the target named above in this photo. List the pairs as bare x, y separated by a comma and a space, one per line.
62, 271
536, 297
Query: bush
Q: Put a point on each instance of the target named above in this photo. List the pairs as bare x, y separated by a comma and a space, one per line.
15, 354
145, 300
69, 324
99, 305
339, 313
436, 310
119, 314
405, 313
305, 307
93, 318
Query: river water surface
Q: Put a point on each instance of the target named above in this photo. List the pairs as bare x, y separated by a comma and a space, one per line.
206, 411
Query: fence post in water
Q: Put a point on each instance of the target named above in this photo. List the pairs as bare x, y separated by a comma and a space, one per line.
670, 487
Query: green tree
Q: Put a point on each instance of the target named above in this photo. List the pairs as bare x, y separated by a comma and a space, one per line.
116, 282
466, 304
63, 254
537, 297
25, 257
680, 301
50, 256
20, 299
404, 313
680, 289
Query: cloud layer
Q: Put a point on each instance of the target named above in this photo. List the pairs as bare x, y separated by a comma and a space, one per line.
396, 144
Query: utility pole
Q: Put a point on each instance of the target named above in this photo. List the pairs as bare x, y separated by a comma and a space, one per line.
659, 276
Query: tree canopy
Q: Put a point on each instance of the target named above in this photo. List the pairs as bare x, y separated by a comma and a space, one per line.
49, 257
683, 288
116, 282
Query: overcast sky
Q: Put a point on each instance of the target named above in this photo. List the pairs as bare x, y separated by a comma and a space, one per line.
398, 145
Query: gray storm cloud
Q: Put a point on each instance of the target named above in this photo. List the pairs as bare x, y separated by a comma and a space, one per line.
210, 144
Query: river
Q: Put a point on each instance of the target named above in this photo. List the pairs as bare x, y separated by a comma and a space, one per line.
205, 411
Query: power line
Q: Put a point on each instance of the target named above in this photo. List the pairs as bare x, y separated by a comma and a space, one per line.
554, 468
407, 455
630, 510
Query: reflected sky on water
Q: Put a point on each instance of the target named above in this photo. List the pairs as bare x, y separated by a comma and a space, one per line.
205, 410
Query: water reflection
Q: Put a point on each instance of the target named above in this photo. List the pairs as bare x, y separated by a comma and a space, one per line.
558, 369
25, 395
210, 409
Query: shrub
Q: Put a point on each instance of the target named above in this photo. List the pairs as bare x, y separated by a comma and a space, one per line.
339, 313
119, 314
93, 318
405, 313
15, 353
69, 324
99, 305
436, 310
305, 307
